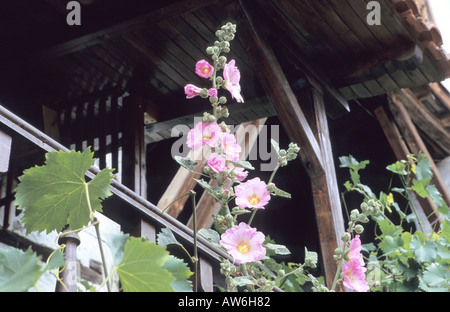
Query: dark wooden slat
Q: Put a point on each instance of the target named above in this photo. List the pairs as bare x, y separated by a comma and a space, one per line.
279, 92
145, 20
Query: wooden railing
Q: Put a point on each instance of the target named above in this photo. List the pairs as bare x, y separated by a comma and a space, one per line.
136, 215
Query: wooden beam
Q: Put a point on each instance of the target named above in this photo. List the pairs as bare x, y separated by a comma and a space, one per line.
5, 148
278, 90
327, 203
173, 199
424, 120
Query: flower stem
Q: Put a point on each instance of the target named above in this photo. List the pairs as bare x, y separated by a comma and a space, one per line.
338, 270
100, 245
194, 225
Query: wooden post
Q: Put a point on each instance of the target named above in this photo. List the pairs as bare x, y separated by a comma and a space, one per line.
5, 151
69, 275
134, 148
327, 203
315, 153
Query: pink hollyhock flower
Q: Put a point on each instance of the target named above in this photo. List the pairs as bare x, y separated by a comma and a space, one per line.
252, 194
354, 277
244, 243
192, 91
203, 133
216, 162
204, 69
212, 92
239, 173
354, 253
232, 77
230, 146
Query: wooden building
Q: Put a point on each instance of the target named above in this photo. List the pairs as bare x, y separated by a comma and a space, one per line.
317, 68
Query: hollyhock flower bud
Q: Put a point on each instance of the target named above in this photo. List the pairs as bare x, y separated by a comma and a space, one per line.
252, 194
232, 77
204, 69
212, 92
192, 91
244, 243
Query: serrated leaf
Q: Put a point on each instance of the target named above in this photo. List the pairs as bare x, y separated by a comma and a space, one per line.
187, 163
277, 249
423, 168
166, 237
424, 252
116, 243
436, 277
19, 270
181, 272
243, 281
54, 195
398, 168
210, 235
420, 187
352, 163
141, 269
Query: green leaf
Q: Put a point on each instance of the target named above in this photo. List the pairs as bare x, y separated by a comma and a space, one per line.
181, 272
54, 195
186, 163
274, 190
398, 168
424, 252
19, 270
210, 235
352, 163
420, 187
56, 261
446, 229
166, 237
436, 278
116, 243
311, 258
243, 281
437, 198
423, 168
277, 249
244, 164
141, 269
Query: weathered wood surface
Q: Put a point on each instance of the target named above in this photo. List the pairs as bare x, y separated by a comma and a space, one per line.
5, 151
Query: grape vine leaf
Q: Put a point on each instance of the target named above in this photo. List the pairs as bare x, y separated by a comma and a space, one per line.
20, 270
53, 195
141, 268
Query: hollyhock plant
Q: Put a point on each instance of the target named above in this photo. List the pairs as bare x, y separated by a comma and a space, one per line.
203, 133
244, 243
230, 146
216, 163
252, 194
354, 277
239, 173
212, 92
354, 253
232, 77
204, 69
192, 91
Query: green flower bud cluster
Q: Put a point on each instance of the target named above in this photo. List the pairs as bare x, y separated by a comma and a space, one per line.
224, 222
287, 155
207, 117
372, 207
225, 34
